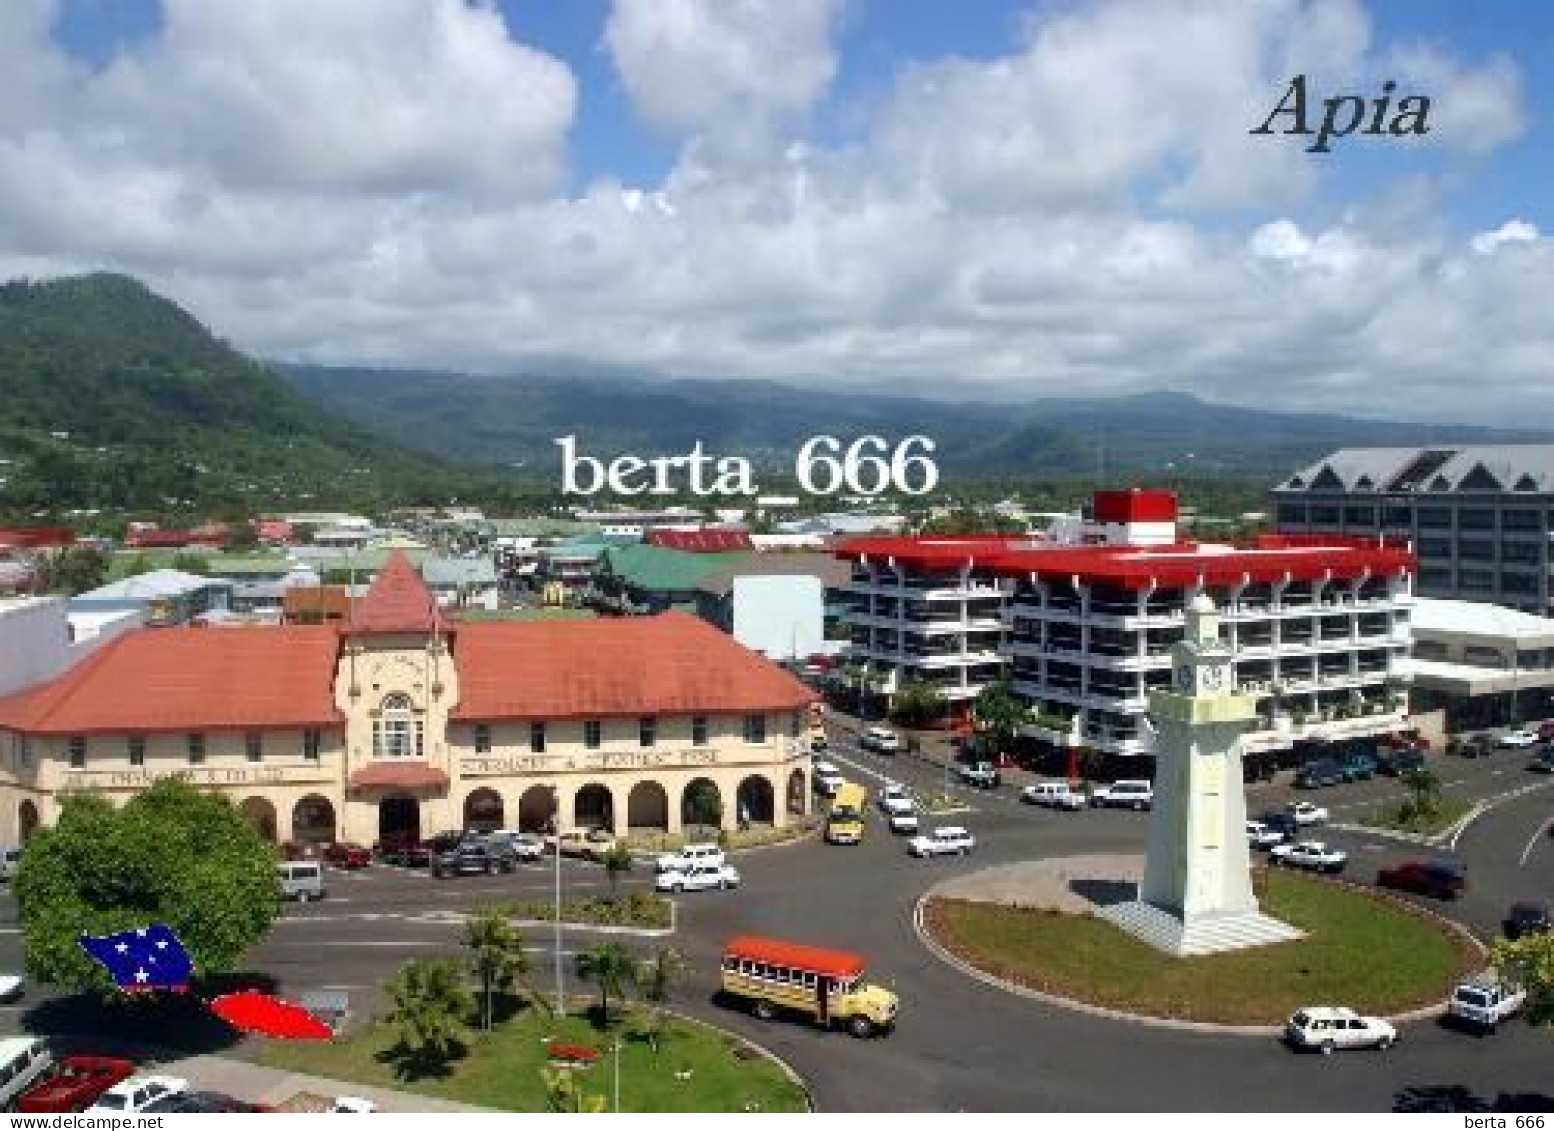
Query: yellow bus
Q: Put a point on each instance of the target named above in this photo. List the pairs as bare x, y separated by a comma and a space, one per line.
844, 822
770, 975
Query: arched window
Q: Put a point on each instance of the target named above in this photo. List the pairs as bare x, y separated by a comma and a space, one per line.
396, 733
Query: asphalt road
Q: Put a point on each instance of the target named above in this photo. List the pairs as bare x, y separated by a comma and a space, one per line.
961, 1045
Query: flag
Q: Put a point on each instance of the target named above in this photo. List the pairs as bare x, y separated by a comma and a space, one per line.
254, 1012
142, 959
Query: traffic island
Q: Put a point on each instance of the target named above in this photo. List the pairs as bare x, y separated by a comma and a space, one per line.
671, 1063
1361, 949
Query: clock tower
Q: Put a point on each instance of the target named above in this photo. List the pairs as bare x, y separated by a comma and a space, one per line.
1196, 896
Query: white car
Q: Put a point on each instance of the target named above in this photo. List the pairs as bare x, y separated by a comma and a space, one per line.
1131, 793
950, 840
1519, 738
699, 877
523, 846
1054, 795
135, 1093
691, 856
827, 779
1307, 813
1328, 1028
353, 1105
1312, 855
881, 740
1259, 835
901, 813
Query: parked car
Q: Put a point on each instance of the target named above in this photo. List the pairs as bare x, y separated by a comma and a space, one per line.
204, 1103
881, 740
1526, 918
1396, 763
10, 861
1312, 855
1320, 773
1542, 762
947, 840
310, 850
301, 880
1259, 835
1546, 730
826, 778
1326, 1029
1439, 881
522, 846
405, 851
1054, 795
1281, 821
137, 1093
353, 1105
691, 856
587, 845
900, 814
698, 877
1483, 1003
12, 986
892, 791
23, 1062
348, 856
473, 859
1477, 746
1519, 738
1306, 813
1357, 765
980, 775
1127, 793
76, 1084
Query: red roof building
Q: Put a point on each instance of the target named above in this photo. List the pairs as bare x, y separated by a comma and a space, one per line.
398, 602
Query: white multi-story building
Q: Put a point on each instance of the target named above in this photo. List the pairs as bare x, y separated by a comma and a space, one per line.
1084, 625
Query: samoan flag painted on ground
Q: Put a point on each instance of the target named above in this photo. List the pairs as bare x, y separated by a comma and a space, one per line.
142, 959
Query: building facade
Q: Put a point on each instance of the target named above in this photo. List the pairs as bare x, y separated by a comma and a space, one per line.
1479, 517
1084, 627
401, 723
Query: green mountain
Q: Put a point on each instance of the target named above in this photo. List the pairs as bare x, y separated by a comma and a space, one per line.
117, 398
1160, 434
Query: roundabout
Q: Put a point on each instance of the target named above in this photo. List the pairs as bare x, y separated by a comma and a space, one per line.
1033, 927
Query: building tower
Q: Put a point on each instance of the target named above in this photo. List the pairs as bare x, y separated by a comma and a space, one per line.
1196, 897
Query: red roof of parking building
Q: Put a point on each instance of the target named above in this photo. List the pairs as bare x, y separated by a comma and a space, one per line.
188, 679
628, 666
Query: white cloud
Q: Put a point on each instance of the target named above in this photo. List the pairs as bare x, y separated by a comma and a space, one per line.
375, 181
720, 66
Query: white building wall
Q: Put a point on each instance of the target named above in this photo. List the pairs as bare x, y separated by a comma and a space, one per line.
780, 616
34, 641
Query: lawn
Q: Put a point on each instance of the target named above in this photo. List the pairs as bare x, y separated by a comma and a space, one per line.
696, 1069
1449, 812
1361, 950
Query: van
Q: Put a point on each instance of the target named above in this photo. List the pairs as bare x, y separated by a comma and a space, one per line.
1127, 793
301, 880
10, 861
23, 1062
844, 823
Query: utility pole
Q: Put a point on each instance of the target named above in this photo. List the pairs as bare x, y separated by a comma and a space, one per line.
617, 1075
555, 823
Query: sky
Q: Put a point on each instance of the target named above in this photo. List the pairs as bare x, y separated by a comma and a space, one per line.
996, 199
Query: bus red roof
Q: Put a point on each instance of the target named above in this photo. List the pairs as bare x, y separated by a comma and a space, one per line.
815, 959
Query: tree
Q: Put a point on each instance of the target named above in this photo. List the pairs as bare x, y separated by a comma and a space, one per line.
997, 714
656, 977
1424, 796
703, 803
191, 563
611, 966
1529, 962
616, 860
71, 569
429, 1005
170, 855
917, 703
564, 1095
496, 955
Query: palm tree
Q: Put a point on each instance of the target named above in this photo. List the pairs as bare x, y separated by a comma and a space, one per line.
1424, 795
430, 1005
613, 967
496, 955
616, 860
657, 977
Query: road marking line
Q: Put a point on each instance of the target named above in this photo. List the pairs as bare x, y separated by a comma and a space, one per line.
1532, 843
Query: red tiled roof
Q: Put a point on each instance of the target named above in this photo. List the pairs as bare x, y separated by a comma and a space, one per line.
673, 663
701, 541
833, 963
36, 537
188, 679
400, 775
397, 601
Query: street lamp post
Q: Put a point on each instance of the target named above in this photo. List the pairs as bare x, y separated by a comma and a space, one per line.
555, 823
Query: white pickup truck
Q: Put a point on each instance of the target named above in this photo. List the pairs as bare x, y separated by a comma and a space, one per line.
1483, 1003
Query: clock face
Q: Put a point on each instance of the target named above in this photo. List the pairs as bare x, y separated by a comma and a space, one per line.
1214, 678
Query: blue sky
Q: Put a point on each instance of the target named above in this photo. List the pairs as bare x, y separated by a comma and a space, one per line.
1002, 198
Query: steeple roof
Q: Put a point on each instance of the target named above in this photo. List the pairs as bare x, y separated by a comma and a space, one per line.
397, 601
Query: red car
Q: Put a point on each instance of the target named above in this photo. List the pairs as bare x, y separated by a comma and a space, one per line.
291, 850
406, 851
1439, 881
76, 1085
348, 856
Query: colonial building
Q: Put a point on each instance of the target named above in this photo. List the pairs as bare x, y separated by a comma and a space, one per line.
399, 721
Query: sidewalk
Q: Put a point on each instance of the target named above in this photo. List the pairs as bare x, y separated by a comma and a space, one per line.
274, 1086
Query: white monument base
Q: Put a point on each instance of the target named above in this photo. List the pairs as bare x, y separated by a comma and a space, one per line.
1205, 934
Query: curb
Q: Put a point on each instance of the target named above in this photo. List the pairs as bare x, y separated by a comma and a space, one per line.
787, 1069
1209, 1028
610, 928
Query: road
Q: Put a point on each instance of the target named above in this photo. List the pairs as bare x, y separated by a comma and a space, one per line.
962, 1045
